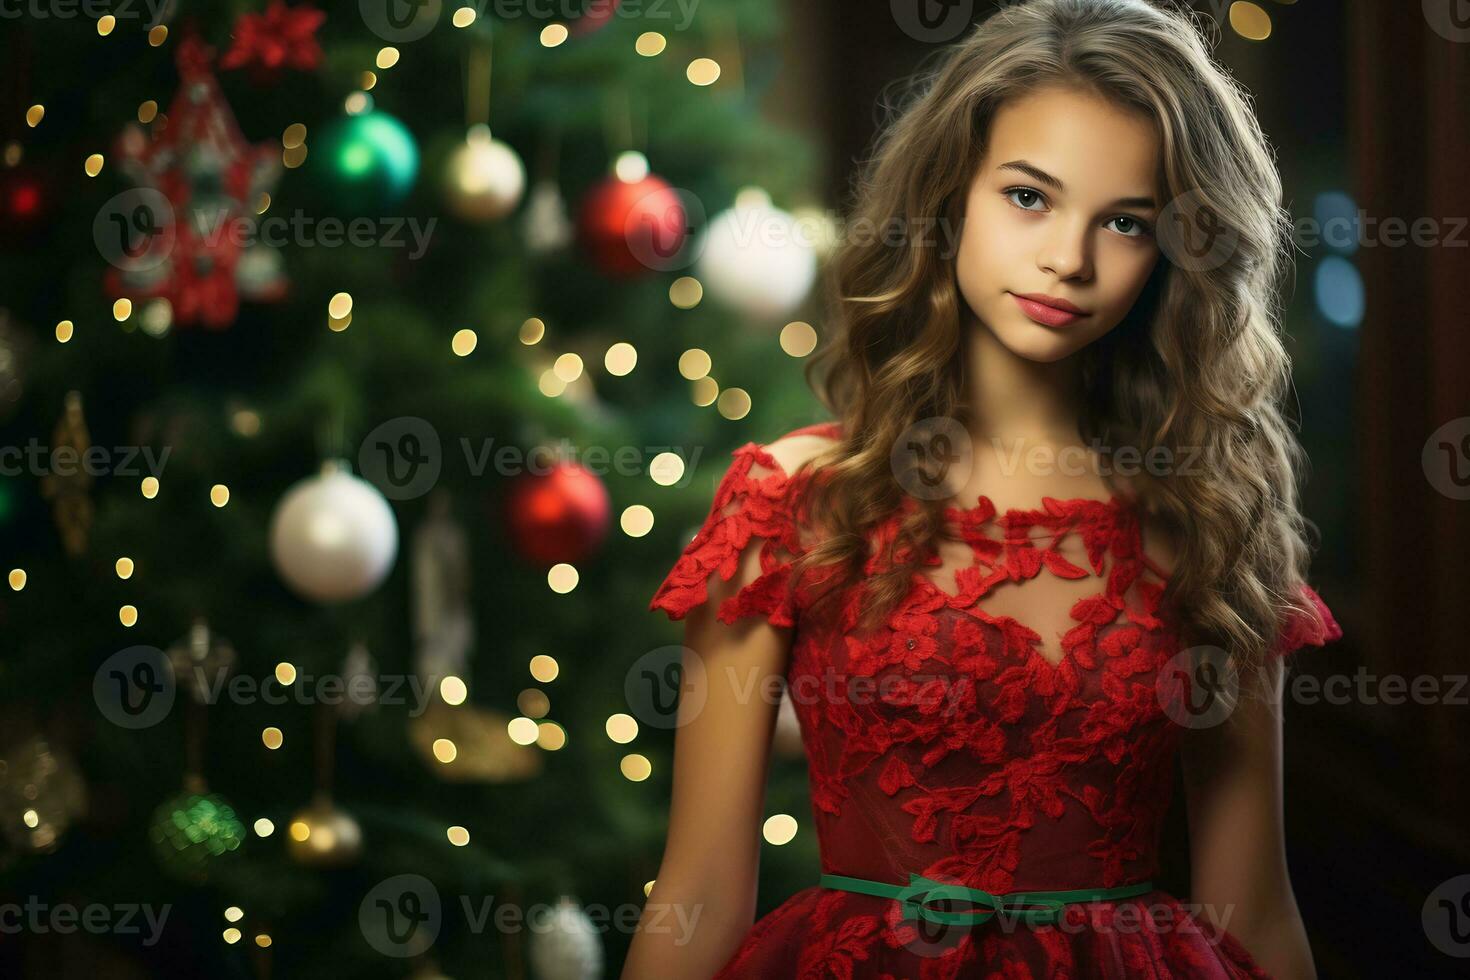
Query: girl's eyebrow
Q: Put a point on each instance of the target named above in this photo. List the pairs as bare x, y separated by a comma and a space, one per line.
1042, 177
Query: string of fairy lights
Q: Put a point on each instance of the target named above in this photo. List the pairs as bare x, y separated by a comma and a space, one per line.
561, 375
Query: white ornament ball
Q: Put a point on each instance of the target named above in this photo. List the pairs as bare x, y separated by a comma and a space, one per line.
757, 258
820, 228
333, 536
569, 948
485, 178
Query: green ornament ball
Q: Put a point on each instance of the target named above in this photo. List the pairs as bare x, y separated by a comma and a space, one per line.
365, 162
192, 830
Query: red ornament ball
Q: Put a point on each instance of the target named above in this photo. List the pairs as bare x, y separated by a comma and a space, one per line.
559, 515
630, 228
595, 17
25, 202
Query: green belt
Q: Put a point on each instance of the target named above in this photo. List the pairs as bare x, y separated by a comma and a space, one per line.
920, 891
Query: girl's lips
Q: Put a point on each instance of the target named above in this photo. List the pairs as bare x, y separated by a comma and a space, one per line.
1047, 316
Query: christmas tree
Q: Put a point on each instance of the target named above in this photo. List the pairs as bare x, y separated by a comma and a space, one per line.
361, 374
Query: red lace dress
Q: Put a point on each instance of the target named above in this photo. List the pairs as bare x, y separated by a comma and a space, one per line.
965, 747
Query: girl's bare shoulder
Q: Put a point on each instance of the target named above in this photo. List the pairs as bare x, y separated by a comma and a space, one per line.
798, 447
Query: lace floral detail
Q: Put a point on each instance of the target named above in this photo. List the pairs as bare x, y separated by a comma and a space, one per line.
948, 744
746, 507
1301, 630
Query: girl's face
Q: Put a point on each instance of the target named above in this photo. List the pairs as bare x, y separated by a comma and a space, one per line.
1062, 208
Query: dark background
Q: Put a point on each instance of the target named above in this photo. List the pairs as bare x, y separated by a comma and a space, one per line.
1359, 97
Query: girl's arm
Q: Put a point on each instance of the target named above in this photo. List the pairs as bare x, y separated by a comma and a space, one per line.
703, 900
1232, 781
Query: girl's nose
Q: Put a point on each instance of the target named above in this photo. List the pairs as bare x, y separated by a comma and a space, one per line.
1065, 254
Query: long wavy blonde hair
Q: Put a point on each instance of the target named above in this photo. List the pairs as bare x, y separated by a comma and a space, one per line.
1198, 363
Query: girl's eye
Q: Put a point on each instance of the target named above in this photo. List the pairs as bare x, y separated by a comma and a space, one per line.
1032, 192
1128, 226
1131, 227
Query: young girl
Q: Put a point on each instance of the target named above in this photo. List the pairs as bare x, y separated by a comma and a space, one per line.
1049, 545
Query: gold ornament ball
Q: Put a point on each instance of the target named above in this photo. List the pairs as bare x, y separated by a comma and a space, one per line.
485, 178
483, 750
323, 836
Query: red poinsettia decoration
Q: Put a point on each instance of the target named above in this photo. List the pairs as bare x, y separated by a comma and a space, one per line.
282, 37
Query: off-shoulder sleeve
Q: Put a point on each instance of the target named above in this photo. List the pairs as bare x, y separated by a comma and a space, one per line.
1300, 629
749, 519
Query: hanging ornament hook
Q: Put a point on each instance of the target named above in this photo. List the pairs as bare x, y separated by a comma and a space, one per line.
477, 87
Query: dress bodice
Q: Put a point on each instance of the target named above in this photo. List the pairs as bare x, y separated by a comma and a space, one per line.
1013, 723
